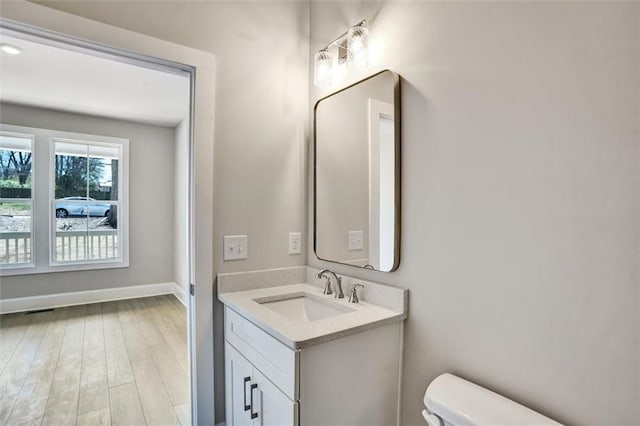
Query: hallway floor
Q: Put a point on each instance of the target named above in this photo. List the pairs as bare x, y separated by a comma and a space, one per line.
122, 362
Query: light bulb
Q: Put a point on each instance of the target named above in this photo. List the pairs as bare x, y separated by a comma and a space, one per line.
323, 69
357, 44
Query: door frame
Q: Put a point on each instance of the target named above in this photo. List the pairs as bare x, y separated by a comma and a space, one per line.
29, 21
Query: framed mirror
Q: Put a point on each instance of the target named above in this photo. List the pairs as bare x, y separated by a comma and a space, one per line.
357, 174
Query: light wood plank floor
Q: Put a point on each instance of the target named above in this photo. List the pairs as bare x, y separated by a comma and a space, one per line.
119, 363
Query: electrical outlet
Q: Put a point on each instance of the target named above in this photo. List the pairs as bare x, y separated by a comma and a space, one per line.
355, 240
295, 242
236, 247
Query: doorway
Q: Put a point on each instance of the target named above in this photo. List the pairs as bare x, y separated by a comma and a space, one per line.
95, 301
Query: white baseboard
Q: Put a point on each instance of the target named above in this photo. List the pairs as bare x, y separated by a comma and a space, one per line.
181, 294
21, 304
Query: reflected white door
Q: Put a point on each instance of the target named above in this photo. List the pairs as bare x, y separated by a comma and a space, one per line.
381, 184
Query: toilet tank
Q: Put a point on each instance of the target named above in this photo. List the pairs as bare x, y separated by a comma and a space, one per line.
458, 402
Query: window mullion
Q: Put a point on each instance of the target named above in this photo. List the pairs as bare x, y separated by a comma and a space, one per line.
87, 172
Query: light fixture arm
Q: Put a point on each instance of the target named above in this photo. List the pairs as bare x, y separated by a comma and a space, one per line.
342, 36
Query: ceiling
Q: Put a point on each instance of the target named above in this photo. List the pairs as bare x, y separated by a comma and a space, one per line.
55, 78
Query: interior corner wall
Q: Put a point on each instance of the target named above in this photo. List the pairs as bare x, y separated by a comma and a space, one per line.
151, 199
520, 197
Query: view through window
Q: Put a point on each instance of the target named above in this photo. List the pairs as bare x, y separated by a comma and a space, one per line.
16, 202
85, 202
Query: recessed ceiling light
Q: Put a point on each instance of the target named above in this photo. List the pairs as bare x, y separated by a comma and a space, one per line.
10, 49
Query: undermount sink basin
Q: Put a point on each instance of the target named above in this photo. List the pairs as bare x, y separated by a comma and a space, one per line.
303, 307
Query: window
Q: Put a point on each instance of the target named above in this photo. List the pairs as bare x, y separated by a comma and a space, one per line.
80, 197
16, 200
85, 201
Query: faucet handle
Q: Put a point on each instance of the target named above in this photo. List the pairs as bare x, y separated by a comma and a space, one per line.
327, 285
339, 294
353, 294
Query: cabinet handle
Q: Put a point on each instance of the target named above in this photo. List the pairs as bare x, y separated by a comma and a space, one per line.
253, 415
246, 407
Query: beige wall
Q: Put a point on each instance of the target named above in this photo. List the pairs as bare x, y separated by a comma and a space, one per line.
520, 197
151, 202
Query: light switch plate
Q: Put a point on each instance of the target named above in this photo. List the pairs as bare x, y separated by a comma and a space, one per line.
355, 240
236, 247
295, 242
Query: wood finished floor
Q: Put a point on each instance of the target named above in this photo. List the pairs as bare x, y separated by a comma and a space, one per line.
119, 363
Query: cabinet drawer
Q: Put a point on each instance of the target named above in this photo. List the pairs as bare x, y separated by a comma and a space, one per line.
272, 358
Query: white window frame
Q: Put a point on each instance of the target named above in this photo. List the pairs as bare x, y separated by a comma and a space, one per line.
123, 185
43, 195
28, 265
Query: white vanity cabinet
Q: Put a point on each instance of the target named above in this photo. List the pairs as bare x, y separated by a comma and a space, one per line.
350, 380
251, 398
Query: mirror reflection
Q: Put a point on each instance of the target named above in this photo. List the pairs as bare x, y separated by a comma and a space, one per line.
357, 174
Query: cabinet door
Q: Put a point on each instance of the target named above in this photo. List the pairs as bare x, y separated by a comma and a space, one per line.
274, 408
238, 380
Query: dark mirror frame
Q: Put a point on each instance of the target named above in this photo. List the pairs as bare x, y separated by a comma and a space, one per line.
397, 174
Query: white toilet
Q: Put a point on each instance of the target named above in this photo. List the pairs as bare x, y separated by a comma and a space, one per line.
452, 401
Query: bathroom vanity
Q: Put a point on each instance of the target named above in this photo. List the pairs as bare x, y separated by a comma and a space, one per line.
295, 356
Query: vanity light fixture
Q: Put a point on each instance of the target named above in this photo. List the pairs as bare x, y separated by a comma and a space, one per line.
10, 49
352, 48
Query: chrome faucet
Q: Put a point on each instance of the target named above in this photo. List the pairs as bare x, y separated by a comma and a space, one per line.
327, 288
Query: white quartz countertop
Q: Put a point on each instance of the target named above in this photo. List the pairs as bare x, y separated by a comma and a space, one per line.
299, 334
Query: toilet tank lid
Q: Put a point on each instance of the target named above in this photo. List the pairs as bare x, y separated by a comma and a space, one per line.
463, 403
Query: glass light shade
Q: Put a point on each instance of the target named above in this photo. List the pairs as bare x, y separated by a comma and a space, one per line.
323, 69
358, 46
